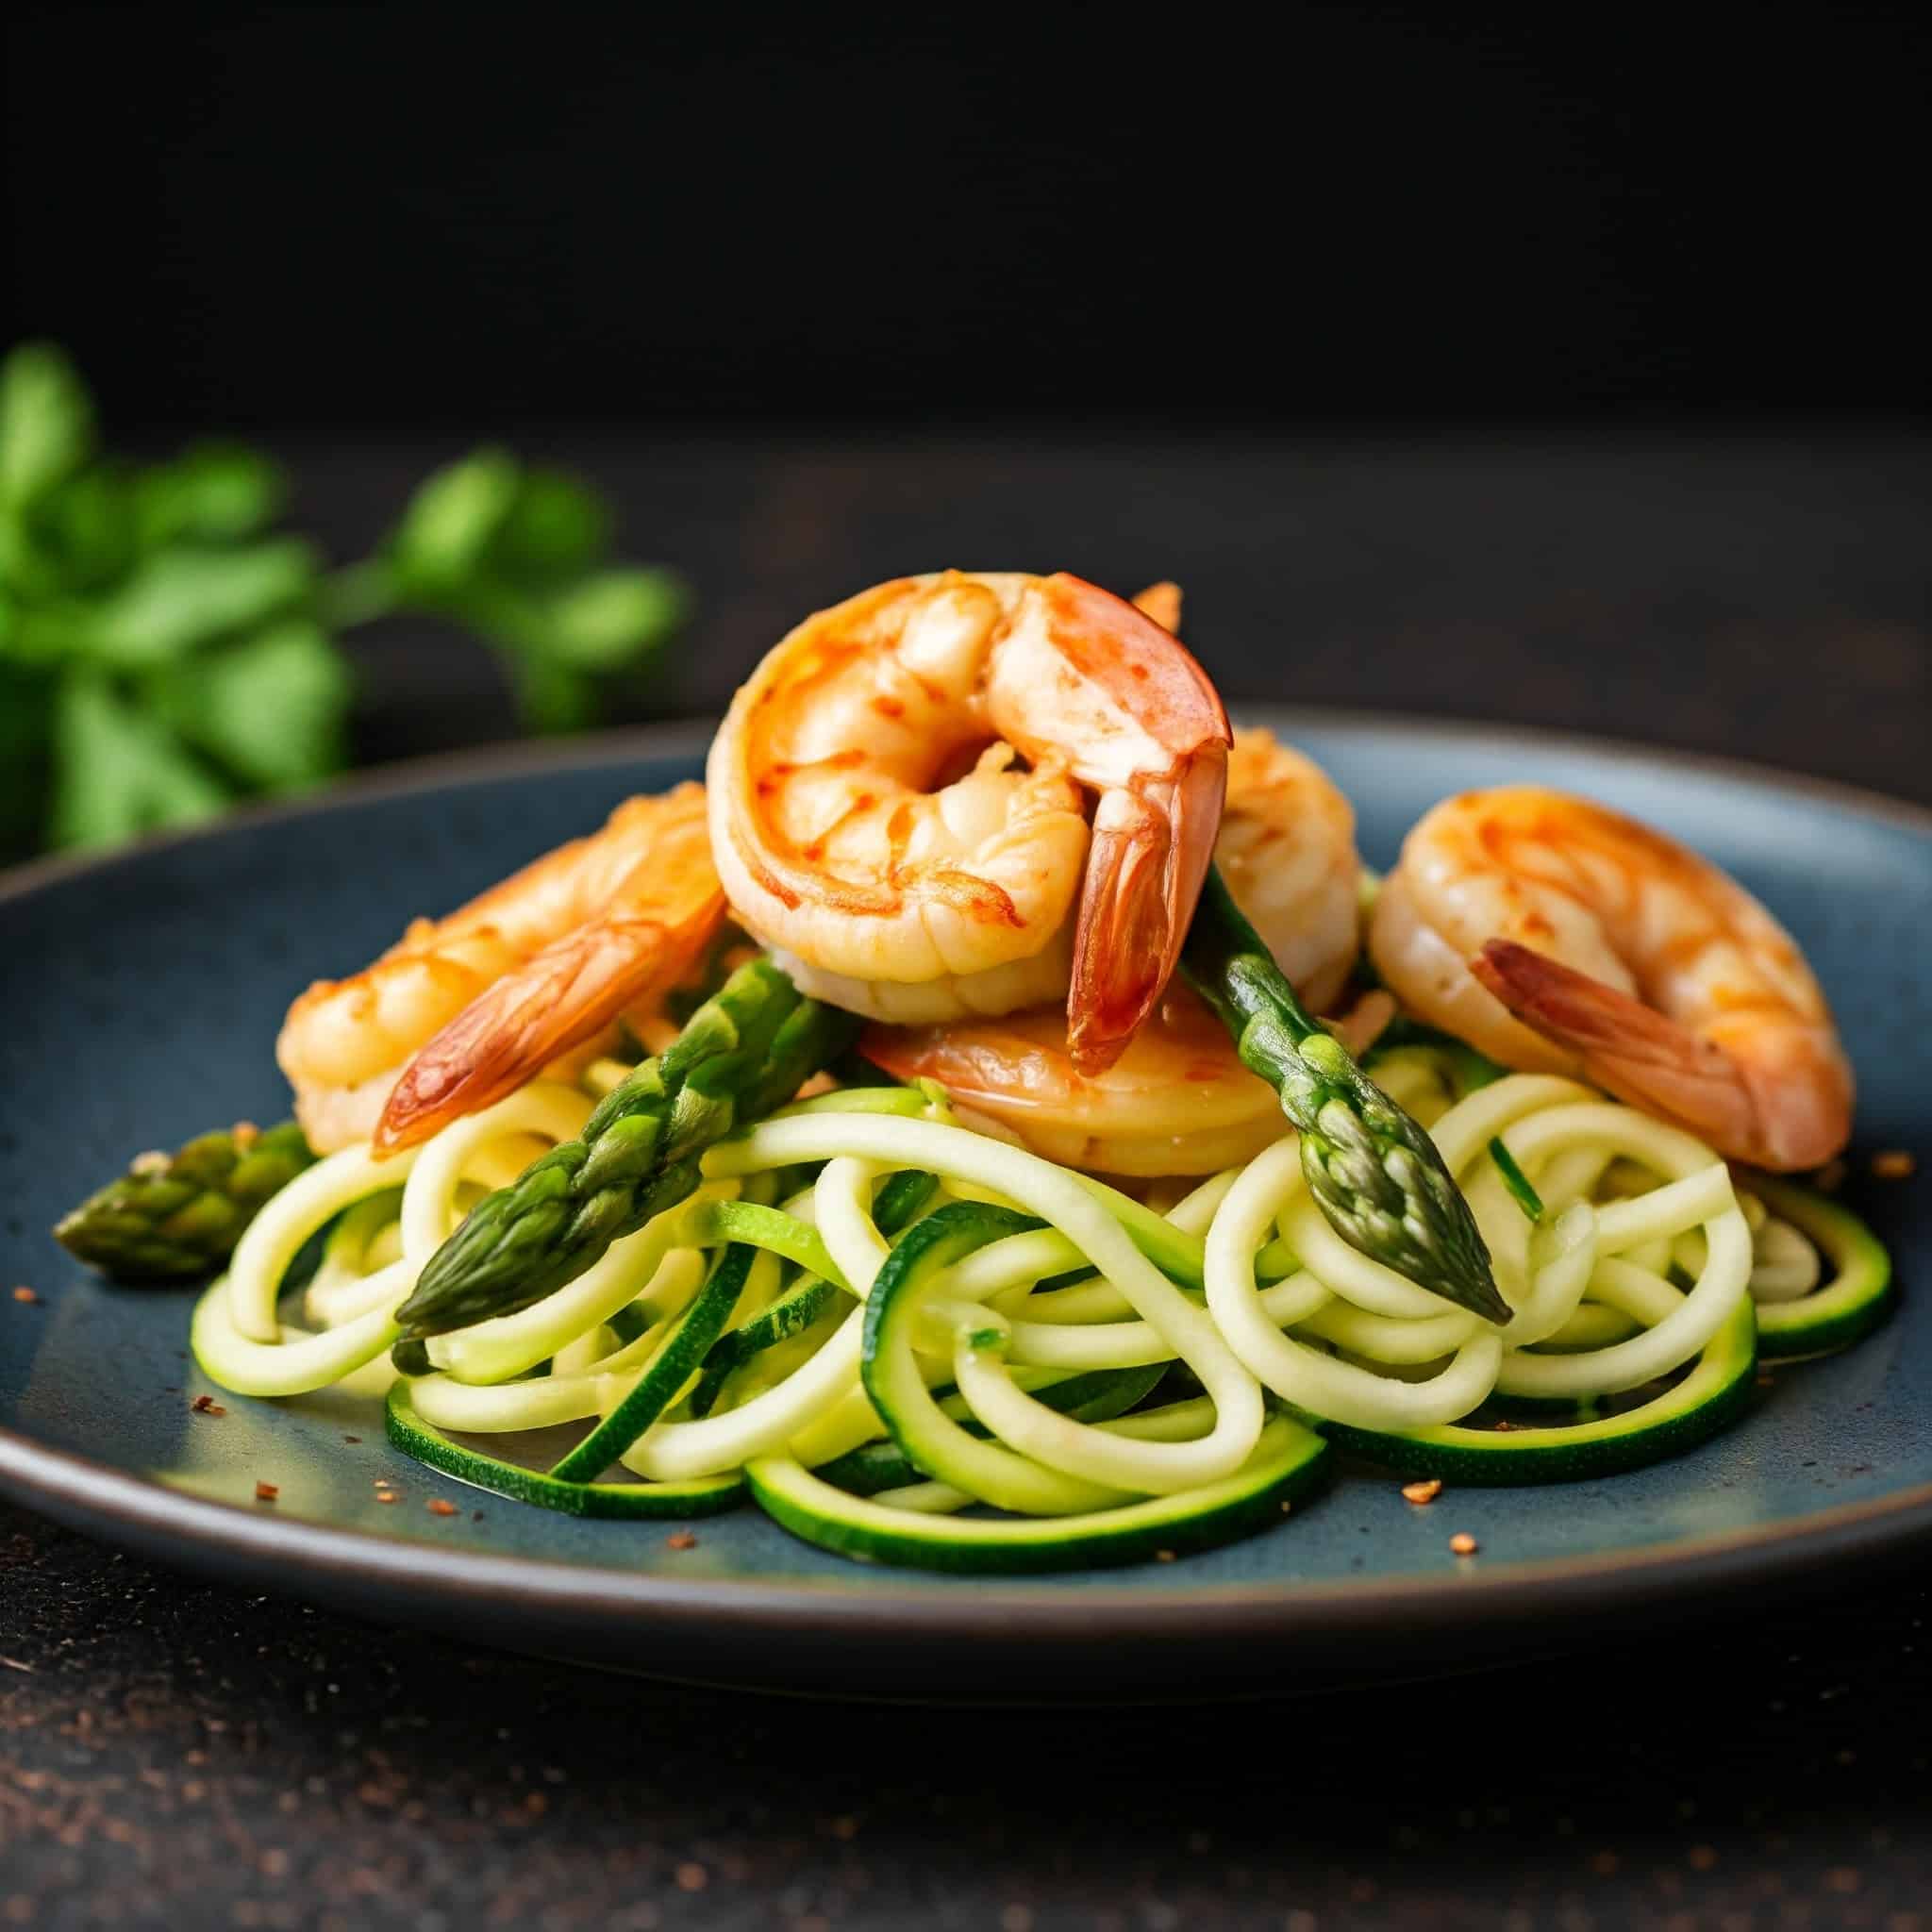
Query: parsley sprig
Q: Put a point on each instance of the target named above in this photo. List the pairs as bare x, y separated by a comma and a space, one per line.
165, 647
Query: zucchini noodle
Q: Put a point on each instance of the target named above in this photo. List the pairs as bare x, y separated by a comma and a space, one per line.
933, 1323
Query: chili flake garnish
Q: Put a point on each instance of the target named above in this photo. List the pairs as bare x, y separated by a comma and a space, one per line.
1463, 1544
1422, 1491
267, 1492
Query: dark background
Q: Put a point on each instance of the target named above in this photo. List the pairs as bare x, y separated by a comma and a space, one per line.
477, 219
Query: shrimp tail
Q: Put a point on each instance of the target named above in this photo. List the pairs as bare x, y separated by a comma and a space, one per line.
1152, 846
1648, 1059
1153, 835
570, 993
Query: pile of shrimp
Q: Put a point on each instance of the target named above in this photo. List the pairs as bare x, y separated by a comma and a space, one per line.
977, 809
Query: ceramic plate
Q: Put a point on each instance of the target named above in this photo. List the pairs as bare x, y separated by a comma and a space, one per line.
142, 996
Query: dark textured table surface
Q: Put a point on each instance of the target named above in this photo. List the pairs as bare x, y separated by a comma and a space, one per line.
180, 1754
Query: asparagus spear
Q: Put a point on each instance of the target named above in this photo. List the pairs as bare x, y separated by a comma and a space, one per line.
742, 1053
175, 1216
1375, 1174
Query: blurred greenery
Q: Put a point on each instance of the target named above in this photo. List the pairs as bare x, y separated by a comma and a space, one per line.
164, 650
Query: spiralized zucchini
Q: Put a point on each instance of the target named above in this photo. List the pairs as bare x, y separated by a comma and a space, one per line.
912, 1341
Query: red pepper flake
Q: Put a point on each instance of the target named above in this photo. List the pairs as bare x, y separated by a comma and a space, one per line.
352, 1439
244, 1134
1894, 1164
206, 1405
680, 1540
1463, 1544
1502, 1427
1424, 1492
387, 1496
23, 1293
267, 1492
441, 1506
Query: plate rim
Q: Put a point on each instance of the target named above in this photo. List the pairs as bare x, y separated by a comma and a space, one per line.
91, 1495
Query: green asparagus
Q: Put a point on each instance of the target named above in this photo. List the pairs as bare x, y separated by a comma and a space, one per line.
743, 1052
1375, 1173
172, 1217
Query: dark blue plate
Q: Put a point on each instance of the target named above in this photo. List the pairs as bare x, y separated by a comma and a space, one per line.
142, 996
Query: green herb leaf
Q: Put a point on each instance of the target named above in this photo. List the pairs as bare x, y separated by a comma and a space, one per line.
159, 650
555, 526
551, 696
611, 620
213, 493
272, 707
81, 534
182, 596
447, 532
46, 422
118, 772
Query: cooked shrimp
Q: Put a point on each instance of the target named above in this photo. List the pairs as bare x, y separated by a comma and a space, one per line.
1555, 934
465, 1009
874, 828
1286, 850
1178, 1100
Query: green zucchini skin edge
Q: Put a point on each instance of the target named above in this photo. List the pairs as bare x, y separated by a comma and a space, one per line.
1714, 1394
956, 1230
1289, 1462
678, 1359
1096, 1395
703, 1496
1850, 1306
